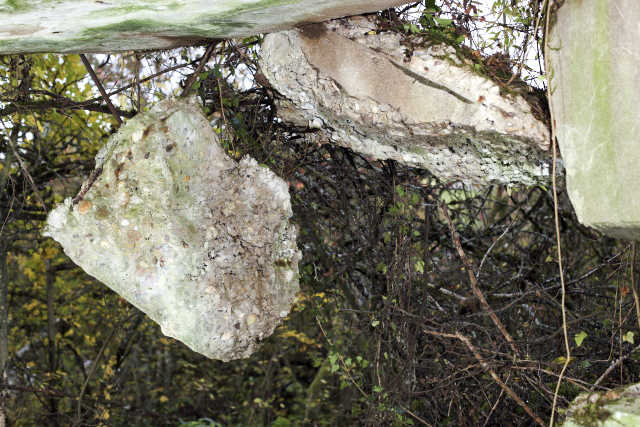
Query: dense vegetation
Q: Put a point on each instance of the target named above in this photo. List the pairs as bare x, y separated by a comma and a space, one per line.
422, 302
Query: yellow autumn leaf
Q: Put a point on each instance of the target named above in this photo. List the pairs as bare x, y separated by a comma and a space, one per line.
163, 399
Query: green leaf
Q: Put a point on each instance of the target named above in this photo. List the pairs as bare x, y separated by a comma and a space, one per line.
430, 6
332, 358
561, 360
377, 389
344, 384
381, 267
334, 368
375, 323
628, 337
419, 266
399, 190
443, 22
579, 338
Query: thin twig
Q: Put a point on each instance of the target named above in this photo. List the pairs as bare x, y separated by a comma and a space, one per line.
555, 210
575, 381
614, 365
497, 379
59, 103
486, 367
346, 369
95, 364
415, 416
634, 287
91, 372
26, 173
474, 283
495, 405
96, 80
525, 48
154, 75
484, 258
105, 402
205, 58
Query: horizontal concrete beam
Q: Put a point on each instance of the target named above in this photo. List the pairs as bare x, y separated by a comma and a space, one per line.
90, 26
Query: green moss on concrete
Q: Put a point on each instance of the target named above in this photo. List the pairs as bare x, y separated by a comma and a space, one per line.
211, 28
591, 108
591, 415
42, 45
128, 26
15, 6
260, 5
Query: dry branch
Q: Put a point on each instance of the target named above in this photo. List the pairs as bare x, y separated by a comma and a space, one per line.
474, 283
495, 376
96, 80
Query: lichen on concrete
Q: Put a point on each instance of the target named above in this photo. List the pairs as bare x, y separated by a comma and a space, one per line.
358, 87
200, 243
615, 408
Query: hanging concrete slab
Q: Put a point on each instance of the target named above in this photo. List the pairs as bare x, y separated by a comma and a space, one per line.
200, 243
85, 26
595, 58
430, 110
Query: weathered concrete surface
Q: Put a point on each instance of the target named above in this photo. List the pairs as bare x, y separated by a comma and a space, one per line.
200, 243
430, 110
595, 58
83, 26
615, 408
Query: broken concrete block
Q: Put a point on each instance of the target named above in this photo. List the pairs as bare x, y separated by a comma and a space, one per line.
430, 110
594, 59
200, 243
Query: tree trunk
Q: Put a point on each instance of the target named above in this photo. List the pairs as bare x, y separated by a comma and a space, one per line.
4, 289
51, 336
